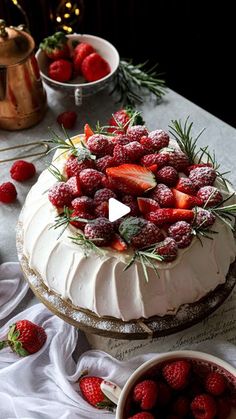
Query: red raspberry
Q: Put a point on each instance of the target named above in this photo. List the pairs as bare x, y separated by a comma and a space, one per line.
160, 159
109, 183
100, 145
181, 406
90, 180
164, 392
186, 185
203, 406
203, 218
178, 160
177, 373
182, 233
215, 383
169, 215
67, 119
131, 202
202, 176
104, 162
223, 407
74, 166
120, 155
100, 231
83, 203
210, 196
167, 175
22, 170
103, 195
60, 194
80, 214
168, 249
74, 185
163, 195
148, 235
136, 132
134, 151
146, 393
155, 141
102, 210
142, 415
121, 139
194, 166
7, 193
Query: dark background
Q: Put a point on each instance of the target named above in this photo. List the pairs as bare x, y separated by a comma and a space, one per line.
194, 42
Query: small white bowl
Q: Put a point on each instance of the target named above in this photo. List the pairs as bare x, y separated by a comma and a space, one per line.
78, 87
121, 397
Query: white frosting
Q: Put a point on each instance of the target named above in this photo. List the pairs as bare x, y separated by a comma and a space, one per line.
100, 284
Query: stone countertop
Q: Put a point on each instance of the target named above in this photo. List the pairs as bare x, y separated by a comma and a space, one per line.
218, 135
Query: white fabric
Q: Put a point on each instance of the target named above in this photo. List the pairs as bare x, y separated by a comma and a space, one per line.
13, 288
44, 385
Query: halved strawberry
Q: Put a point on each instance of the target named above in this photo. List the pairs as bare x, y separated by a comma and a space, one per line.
137, 179
185, 201
118, 243
88, 132
170, 215
194, 166
147, 205
153, 168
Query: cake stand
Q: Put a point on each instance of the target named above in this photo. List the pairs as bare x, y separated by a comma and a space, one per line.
89, 322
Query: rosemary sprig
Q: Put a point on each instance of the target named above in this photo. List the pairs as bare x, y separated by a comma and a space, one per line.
59, 143
130, 79
225, 214
146, 256
56, 173
182, 133
64, 219
135, 119
87, 245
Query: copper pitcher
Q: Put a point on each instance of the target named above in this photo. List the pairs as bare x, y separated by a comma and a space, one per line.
22, 96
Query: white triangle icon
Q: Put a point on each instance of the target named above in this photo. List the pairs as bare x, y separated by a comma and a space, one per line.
117, 209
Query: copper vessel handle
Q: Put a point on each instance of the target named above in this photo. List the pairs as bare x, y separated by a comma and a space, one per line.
40, 153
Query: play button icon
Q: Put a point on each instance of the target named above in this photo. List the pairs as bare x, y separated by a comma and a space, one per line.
117, 209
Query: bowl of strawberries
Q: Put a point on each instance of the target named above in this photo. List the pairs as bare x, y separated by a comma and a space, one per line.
177, 385
77, 65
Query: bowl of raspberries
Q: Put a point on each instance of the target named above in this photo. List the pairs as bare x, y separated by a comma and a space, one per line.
78, 65
180, 385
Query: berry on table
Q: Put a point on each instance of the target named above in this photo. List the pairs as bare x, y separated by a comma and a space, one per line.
67, 119
90, 388
145, 393
22, 170
8, 193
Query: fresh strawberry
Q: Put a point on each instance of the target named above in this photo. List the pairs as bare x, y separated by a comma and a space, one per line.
215, 383
8, 193
170, 215
181, 406
90, 180
223, 407
163, 195
88, 132
100, 232
203, 218
118, 243
83, 203
25, 338
100, 145
155, 141
75, 165
147, 205
131, 202
167, 175
177, 373
142, 415
102, 210
90, 388
186, 185
67, 119
74, 185
134, 151
202, 176
136, 132
210, 196
160, 159
82, 50
120, 120
60, 70
75, 217
137, 178
104, 162
120, 155
203, 406
195, 166
103, 195
168, 249
94, 67
60, 194
22, 170
146, 393
185, 201
55, 46
182, 233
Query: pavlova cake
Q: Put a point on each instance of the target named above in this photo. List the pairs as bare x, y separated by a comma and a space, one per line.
175, 245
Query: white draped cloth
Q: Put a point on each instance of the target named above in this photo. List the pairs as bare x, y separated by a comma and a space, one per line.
45, 385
